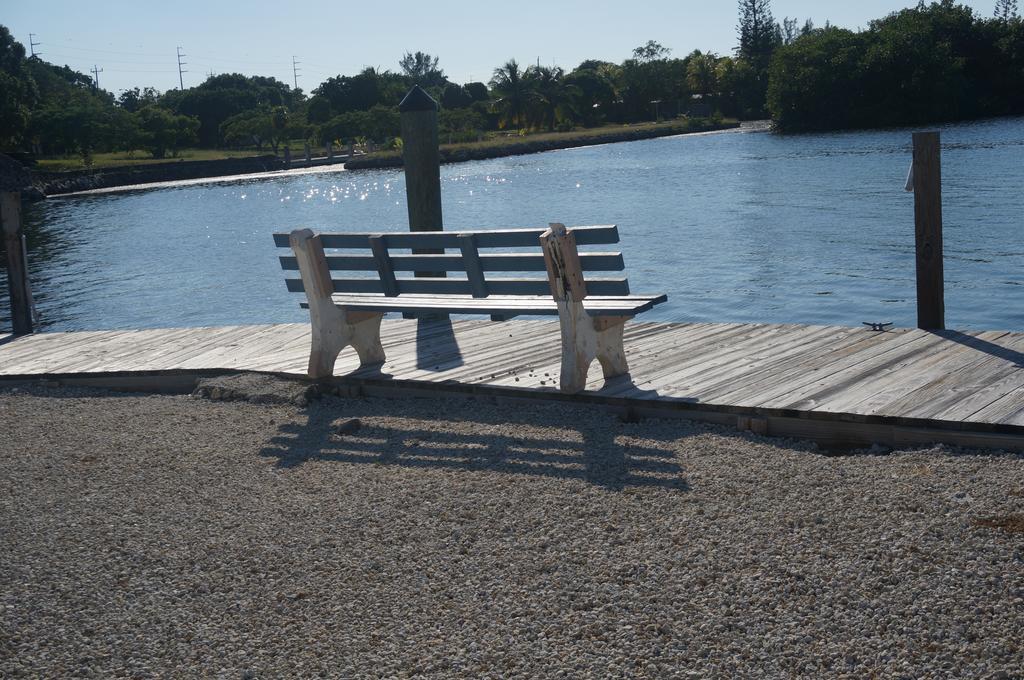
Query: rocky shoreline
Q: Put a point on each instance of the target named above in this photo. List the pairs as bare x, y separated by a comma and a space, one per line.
51, 183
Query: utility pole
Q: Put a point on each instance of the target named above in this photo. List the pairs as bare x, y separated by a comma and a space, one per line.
181, 83
32, 44
96, 77
295, 72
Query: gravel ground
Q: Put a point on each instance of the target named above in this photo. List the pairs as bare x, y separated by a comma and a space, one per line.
146, 536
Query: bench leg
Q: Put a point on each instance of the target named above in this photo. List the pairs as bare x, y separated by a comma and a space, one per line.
610, 351
329, 338
585, 338
366, 338
333, 329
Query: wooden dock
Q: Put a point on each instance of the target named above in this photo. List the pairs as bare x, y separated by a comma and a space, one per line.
838, 385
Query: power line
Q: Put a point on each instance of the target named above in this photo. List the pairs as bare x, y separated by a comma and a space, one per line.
112, 61
32, 44
181, 82
96, 77
295, 71
94, 50
249, 62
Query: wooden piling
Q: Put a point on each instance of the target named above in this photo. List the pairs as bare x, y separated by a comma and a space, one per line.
17, 263
931, 306
14, 178
422, 159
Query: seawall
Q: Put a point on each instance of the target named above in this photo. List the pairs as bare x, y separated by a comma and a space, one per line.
49, 183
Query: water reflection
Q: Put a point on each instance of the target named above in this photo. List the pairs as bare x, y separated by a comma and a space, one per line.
734, 227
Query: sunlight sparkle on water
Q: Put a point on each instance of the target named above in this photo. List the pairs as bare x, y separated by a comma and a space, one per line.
733, 227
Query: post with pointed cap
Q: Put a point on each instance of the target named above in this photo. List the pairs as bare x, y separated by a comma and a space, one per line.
14, 178
422, 160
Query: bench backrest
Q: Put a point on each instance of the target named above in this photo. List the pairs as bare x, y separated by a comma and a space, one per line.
483, 262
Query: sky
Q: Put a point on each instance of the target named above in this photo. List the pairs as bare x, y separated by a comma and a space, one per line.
134, 43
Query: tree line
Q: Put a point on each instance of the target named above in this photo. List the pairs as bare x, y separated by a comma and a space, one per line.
939, 62
929, 63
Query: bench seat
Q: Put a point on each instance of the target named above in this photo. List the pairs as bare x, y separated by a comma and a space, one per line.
496, 305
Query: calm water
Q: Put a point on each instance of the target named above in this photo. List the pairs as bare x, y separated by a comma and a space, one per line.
734, 227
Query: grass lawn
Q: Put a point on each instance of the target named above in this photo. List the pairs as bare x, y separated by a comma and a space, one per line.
512, 143
494, 144
119, 158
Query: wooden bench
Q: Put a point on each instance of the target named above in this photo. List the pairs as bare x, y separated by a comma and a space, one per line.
348, 311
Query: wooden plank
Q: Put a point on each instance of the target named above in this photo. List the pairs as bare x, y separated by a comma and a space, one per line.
256, 349
986, 399
389, 285
209, 351
1008, 410
651, 352
770, 385
291, 356
438, 286
651, 373
802, 356
474, 349
770, 358
950, 392
471, 263
597, 287
65, 354
151, 351
546, 359
495, 348
496, 304
677, 351
489, 262
138, 347
519, 262
894, 389
30, 348
203, 340
502, 355
486, 238
719, 363
405, 350
863, 371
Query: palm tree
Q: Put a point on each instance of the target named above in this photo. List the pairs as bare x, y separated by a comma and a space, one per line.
554, 97
513, 94
702, 72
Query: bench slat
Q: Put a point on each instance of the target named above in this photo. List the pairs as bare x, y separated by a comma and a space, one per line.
387, 275
471, 261
494, 262
497, 238
438, 286
496, 305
